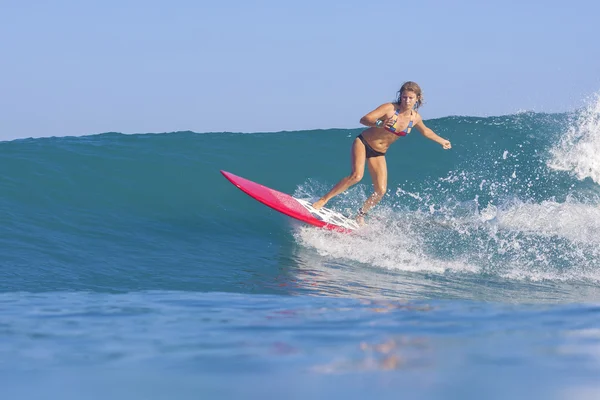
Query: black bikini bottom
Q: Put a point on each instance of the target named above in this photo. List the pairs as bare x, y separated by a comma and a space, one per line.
370, 151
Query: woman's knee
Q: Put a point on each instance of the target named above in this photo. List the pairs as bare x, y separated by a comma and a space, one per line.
356, 177
380, 190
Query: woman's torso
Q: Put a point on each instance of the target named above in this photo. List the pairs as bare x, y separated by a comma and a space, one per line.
380, 138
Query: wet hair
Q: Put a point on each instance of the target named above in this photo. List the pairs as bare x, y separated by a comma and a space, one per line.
412, 87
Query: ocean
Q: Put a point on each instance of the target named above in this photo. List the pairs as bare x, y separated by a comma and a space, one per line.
132, 269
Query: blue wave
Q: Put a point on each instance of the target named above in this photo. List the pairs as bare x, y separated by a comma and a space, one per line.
98, 205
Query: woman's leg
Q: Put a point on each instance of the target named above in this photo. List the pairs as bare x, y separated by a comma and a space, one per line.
358, 157
378, 170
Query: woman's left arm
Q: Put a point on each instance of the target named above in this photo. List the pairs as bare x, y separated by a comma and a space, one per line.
429, 134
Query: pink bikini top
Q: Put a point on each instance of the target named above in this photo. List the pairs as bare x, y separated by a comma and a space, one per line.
404, 132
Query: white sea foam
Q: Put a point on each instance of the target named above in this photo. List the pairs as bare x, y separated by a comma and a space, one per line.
549, 241
391, 241
578, 151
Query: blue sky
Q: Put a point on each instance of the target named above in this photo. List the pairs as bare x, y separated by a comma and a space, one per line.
83, 67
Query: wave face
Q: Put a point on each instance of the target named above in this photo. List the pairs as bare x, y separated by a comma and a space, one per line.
514, 202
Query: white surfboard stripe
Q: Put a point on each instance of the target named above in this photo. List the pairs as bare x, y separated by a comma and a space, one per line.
329, 216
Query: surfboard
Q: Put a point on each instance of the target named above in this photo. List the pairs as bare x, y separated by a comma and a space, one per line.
300, 209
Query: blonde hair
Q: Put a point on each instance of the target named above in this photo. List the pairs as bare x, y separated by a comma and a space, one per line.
412, 87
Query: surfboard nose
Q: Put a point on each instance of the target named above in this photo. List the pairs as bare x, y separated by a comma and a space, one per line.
289, 205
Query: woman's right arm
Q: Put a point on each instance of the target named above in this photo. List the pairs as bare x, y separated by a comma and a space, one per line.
377, 114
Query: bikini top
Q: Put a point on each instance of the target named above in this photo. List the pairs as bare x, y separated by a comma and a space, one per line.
405, 132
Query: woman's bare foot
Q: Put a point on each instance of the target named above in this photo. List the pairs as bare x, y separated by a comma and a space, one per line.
360, 220
319, 204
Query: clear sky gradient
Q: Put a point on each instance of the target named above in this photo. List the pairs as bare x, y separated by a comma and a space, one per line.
86, 67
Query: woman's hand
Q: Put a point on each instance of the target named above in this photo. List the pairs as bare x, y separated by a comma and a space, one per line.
389, 122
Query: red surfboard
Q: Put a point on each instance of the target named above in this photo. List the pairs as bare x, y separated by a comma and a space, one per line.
299, 209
